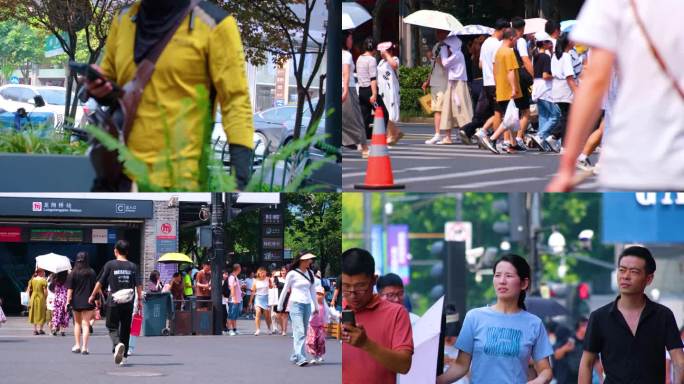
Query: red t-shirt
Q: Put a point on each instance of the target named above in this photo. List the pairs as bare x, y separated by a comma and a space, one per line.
388, 325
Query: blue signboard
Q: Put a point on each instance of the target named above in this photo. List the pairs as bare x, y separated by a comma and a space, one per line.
644, 217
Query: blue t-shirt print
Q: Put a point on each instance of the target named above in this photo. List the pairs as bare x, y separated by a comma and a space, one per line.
503, 342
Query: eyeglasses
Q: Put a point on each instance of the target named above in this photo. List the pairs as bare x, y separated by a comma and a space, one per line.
355, 289
392, 295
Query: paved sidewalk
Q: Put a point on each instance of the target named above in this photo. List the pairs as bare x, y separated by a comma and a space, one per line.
25, 358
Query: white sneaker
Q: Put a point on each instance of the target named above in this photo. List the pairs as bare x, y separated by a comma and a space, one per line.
123, 362
434, 139
232, 333
313, 361
119, 353
257, 332
584, 165
320, 359
553, 143
237, 332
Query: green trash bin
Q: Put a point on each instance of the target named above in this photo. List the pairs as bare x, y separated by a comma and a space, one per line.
157, 309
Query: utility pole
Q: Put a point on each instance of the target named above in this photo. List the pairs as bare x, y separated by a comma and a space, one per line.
333, 98
367, 219
217, 260
534, 229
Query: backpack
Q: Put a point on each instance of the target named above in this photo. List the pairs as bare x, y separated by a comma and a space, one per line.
526, 79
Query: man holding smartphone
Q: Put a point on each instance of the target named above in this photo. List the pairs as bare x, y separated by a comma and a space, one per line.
376, 334
205, 53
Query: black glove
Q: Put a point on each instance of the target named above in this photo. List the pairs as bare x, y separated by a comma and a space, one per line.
240, 158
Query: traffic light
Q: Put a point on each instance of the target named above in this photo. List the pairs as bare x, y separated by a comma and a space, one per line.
578, 300
450, 273
516, 225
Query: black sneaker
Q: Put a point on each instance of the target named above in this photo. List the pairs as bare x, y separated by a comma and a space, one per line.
464, 137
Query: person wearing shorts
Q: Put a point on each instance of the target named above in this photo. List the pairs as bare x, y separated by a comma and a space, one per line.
235, 302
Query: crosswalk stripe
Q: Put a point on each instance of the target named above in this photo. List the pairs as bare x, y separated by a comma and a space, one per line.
484, 184
459, 175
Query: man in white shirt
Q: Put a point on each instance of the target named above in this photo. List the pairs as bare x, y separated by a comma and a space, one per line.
647, 98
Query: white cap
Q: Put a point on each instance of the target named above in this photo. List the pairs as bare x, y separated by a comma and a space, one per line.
307, 256
542, 36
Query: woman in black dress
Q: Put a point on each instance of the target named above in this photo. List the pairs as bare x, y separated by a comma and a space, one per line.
80, 283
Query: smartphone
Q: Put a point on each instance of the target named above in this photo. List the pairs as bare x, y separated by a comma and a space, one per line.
86, 70
348, 317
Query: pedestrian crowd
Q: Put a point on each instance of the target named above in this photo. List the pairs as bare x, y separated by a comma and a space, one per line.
549, 89
296, 294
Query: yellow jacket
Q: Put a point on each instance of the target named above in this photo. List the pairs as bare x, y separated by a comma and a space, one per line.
204, 51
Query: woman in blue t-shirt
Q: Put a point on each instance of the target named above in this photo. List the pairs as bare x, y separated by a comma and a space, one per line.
496, 343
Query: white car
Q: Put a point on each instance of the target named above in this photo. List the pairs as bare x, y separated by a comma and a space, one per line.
21, 95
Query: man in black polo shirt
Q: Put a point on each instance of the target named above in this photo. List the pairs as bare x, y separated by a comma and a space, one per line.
632, 333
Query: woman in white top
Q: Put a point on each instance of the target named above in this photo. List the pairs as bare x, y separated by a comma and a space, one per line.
260, 287
457, 109
301, 283
353, 133
564, 87
388, 88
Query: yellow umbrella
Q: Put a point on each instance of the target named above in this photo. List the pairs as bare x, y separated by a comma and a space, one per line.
174, 258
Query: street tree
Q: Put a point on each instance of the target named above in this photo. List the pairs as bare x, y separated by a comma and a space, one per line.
20, 47
64, 19
287, 30
314, 223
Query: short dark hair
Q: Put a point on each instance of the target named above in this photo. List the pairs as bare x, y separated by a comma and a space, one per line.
154, 276
176, 274
642, 253
236, 266
121, 246
389, 280
356, 261
551, 27
518, 23
509, 33
501, 24
369, 44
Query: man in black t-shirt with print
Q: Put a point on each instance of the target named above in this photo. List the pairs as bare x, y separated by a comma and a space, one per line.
122, 278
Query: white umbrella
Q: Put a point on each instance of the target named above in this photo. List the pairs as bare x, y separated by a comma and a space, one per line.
434, 19
474, 29
567, 25
53, 262
534, 25
353, 15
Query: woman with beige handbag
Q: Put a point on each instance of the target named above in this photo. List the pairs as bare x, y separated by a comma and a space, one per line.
437, 81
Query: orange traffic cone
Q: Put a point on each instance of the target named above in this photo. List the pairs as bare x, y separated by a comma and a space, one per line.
379, 171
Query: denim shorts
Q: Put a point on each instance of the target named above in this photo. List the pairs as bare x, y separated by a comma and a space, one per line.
234, 310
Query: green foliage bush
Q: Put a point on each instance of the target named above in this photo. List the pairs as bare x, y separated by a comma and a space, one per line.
410, 82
